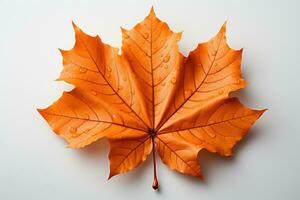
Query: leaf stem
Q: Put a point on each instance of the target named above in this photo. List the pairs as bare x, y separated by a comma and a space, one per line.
155, 181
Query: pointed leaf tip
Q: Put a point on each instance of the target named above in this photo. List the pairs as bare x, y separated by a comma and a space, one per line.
61, 51
263, 111
73, 24
110, 176
152, 12
223, 28
179, 35
75, 27
123, 30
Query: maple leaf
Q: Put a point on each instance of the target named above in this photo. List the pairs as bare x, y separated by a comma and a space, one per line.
151, 97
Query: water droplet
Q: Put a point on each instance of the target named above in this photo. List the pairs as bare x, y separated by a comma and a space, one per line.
211, 134
220, 92
82, 70
120, 87
73, 129
167, 58
115, 116
173, 81
108, 75
124, 78
94, 93
162, 55
147, 54
216, 64
108, 69
187, 93
166, 66
146, 35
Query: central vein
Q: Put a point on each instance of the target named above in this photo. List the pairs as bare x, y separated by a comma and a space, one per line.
151, 63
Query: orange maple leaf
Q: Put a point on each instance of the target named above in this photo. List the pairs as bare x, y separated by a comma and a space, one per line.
152, 97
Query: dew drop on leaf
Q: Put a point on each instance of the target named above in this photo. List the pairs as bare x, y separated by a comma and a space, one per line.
146, 35
187, 93
94, 93
166, 59
82, 70
173, 81
211, 134
73, 129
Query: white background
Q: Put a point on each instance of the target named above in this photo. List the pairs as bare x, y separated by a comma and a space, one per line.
34, 163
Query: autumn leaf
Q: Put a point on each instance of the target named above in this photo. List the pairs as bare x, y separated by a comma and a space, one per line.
152, 98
